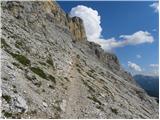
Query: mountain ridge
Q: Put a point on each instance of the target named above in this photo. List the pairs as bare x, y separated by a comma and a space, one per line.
149, 83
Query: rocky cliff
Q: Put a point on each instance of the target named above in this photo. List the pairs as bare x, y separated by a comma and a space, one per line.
50, 70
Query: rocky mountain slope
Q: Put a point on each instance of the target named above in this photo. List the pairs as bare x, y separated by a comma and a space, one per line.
50, 70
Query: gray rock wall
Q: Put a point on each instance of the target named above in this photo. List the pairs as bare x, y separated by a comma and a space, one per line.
50, 70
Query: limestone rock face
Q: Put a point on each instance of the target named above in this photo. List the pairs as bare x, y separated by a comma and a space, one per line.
50, 70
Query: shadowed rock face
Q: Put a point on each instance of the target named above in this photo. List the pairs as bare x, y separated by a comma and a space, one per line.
50, 70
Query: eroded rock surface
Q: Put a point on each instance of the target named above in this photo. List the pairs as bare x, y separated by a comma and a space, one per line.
50, 70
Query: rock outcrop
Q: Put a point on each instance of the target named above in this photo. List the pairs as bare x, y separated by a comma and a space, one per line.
74, 25
50, 70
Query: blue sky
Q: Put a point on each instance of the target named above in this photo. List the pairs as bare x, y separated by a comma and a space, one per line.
127, 18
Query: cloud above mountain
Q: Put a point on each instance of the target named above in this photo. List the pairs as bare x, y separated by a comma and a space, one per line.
92, 23
154, 65
134, 66
155, 6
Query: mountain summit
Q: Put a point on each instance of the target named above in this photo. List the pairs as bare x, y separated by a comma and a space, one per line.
50, 70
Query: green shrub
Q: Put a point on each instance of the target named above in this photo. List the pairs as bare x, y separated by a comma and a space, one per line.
7, 98
78, 70
18, 44
57, 115
42, 63
52, 78
57, 108
39, 72
7, 114
13, 86
22, 59
95, 100
89, 87
114, 110
49, 61
17, 65
4, 44
92, 71
90, 74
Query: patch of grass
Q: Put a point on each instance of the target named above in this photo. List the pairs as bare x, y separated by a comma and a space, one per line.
49, 61
15, 64
39, 72
13, 86
22, 59
7, 114
90, 74
90, 88
18, 44
57, 116
92, 71
114, 110
106, 88
80, 71
32, 112
52, 78
42, 63
95, 100
140, 94
4, 44
7, 98
57, 108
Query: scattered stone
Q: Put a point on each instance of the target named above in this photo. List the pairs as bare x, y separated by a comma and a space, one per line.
99, 88
45, 104
20, 103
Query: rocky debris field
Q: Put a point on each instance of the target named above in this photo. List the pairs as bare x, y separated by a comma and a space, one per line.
50, 70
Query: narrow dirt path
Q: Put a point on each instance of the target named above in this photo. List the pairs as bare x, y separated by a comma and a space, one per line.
73, 102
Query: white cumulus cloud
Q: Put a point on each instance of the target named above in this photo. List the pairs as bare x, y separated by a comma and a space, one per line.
91, 21
92, 24
134, 66
134, 39
154, 65
155, 6
155, 73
